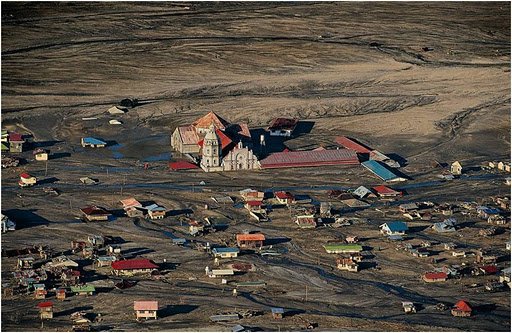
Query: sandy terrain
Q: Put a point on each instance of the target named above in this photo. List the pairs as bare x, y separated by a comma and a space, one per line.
352, 69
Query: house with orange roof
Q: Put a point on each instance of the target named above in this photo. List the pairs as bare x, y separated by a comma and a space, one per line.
250, 241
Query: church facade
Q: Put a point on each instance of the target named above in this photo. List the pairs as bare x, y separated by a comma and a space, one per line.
214, 140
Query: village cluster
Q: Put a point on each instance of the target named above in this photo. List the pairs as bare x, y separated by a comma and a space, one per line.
215, 145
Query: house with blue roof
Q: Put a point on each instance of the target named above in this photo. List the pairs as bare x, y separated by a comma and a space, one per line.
225, 252
381, 171
93, 142
394, 228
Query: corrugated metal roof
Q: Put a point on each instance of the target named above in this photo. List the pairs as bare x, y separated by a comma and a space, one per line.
224, 139
188, 135
210, 118
130, 202
250, 237
225, 250
93, 141
145, 305
351, 144
309, 158
182, 165
140, 263
283, 124
381, 171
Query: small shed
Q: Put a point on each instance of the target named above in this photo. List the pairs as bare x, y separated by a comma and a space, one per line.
409, 307
145, 309
277, 313
461, 309
25, 263
156, 212
45, 310
61, 294
16, 142
456, 168
40, 291
40, 154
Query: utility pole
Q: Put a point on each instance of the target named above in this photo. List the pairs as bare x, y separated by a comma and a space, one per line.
46, 169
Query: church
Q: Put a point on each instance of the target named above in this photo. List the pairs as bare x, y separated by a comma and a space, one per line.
219, 144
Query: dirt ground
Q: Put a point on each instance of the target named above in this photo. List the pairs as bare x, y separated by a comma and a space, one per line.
355, 69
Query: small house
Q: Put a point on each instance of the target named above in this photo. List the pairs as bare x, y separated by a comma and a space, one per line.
447, 225
27, 180
225, 252
95, 213
347, 264
88, 252
103, 261
133, 266
61, 294
277, 313
45, 310
253, 205
145, 309
40, 291
96, 240
342, 248
456, 168
70, 277
459, 253
113, 250
435, 276
488, 270
409, 307
93, 143
83, 290
449, 246
16, 142
25, 263
220, 272
7, 224
485, 257
156, 212
461, 309
282, 127
407, 207
306, 221
362, 192
386, 192
250, 241
284, 198
40, 154
394, 228
250, 194
352, 239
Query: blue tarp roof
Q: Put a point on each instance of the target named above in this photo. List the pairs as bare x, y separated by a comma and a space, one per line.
380, 170
397, 226
225, 249
94, 141
277, 310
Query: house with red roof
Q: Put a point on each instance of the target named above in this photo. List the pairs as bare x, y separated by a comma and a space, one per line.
253, 205
250, 241
27, 180
435, 276
284, 198
16, 142
386, 192
45, 310
282, 127
461, 309
95, 213
133, 266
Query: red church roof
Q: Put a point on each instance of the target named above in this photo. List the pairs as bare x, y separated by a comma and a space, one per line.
140, 263
225, 141
210, 118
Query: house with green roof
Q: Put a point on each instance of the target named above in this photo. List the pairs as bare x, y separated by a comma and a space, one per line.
343, 248
84, 290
